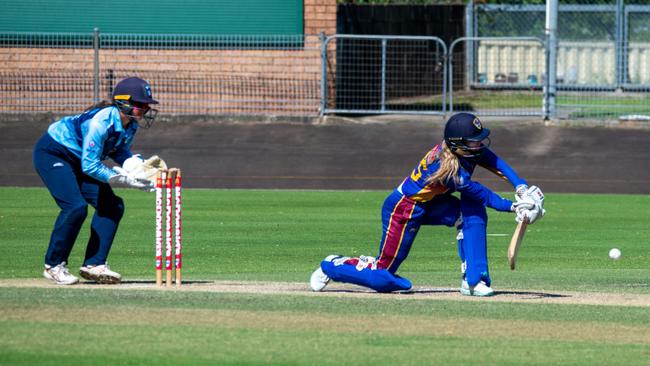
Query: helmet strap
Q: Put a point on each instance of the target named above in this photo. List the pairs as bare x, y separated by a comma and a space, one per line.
124, 107
469, 152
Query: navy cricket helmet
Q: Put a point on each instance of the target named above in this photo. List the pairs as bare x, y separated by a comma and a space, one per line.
132, 91
464, 128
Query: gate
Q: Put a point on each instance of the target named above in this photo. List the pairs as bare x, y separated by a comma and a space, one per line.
383, 74
503, 76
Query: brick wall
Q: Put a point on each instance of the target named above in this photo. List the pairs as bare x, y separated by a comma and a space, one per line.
320, 16
189, 81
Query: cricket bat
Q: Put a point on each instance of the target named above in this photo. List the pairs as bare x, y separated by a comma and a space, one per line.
515, 242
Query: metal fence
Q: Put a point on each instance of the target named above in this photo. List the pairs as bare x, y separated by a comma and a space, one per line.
603, 54
383, 74
65, 73
503, 78
500, 70
191, 74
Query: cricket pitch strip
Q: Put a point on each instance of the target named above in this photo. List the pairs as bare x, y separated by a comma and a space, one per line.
347, 290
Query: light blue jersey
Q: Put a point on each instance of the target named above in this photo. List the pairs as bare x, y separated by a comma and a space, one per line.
94, 136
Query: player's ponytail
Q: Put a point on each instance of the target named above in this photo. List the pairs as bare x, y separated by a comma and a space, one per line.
449, 166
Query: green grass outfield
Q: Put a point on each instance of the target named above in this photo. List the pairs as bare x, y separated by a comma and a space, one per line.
280, 236
578, 104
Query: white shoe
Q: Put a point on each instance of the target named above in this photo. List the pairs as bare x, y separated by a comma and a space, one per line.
318, 280
60, 274
101, 274
481, 289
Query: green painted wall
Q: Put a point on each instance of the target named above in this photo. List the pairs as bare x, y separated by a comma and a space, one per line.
245, 17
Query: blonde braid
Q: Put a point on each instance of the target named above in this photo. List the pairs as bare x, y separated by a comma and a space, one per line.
449, 166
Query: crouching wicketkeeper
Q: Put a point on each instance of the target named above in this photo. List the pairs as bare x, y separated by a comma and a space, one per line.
68, 158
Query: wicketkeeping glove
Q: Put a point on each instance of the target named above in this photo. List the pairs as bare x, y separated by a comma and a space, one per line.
155, 162
144, 169
152, 166
133, 163
124, 179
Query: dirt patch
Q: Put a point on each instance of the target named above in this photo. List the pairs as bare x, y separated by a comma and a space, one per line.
352, 291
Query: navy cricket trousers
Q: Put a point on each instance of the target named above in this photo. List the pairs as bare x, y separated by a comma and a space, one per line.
73, 191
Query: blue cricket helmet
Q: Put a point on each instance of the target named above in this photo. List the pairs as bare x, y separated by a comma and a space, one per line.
462, 128
133, 89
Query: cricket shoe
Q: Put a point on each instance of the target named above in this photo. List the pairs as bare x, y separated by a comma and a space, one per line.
59, 274
481, 289
319, 279
101, 274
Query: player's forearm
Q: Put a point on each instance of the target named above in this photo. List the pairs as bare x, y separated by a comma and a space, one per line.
96, 169
498, 166
488, 198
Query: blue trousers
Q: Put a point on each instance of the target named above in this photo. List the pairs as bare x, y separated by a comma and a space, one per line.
401, 221
73, 191
472, 243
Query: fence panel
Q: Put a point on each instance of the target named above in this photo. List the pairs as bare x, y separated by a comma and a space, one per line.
637, 34
603, 65
506, 78
46, 72
220, 74
383, 74
190, 74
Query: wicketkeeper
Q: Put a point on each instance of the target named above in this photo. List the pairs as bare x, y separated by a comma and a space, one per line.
425, 198
68, 158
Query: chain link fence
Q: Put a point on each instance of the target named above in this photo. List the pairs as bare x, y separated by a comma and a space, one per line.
603, 68
603, 56
384, 74
502, 75
46, 72
65, 73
